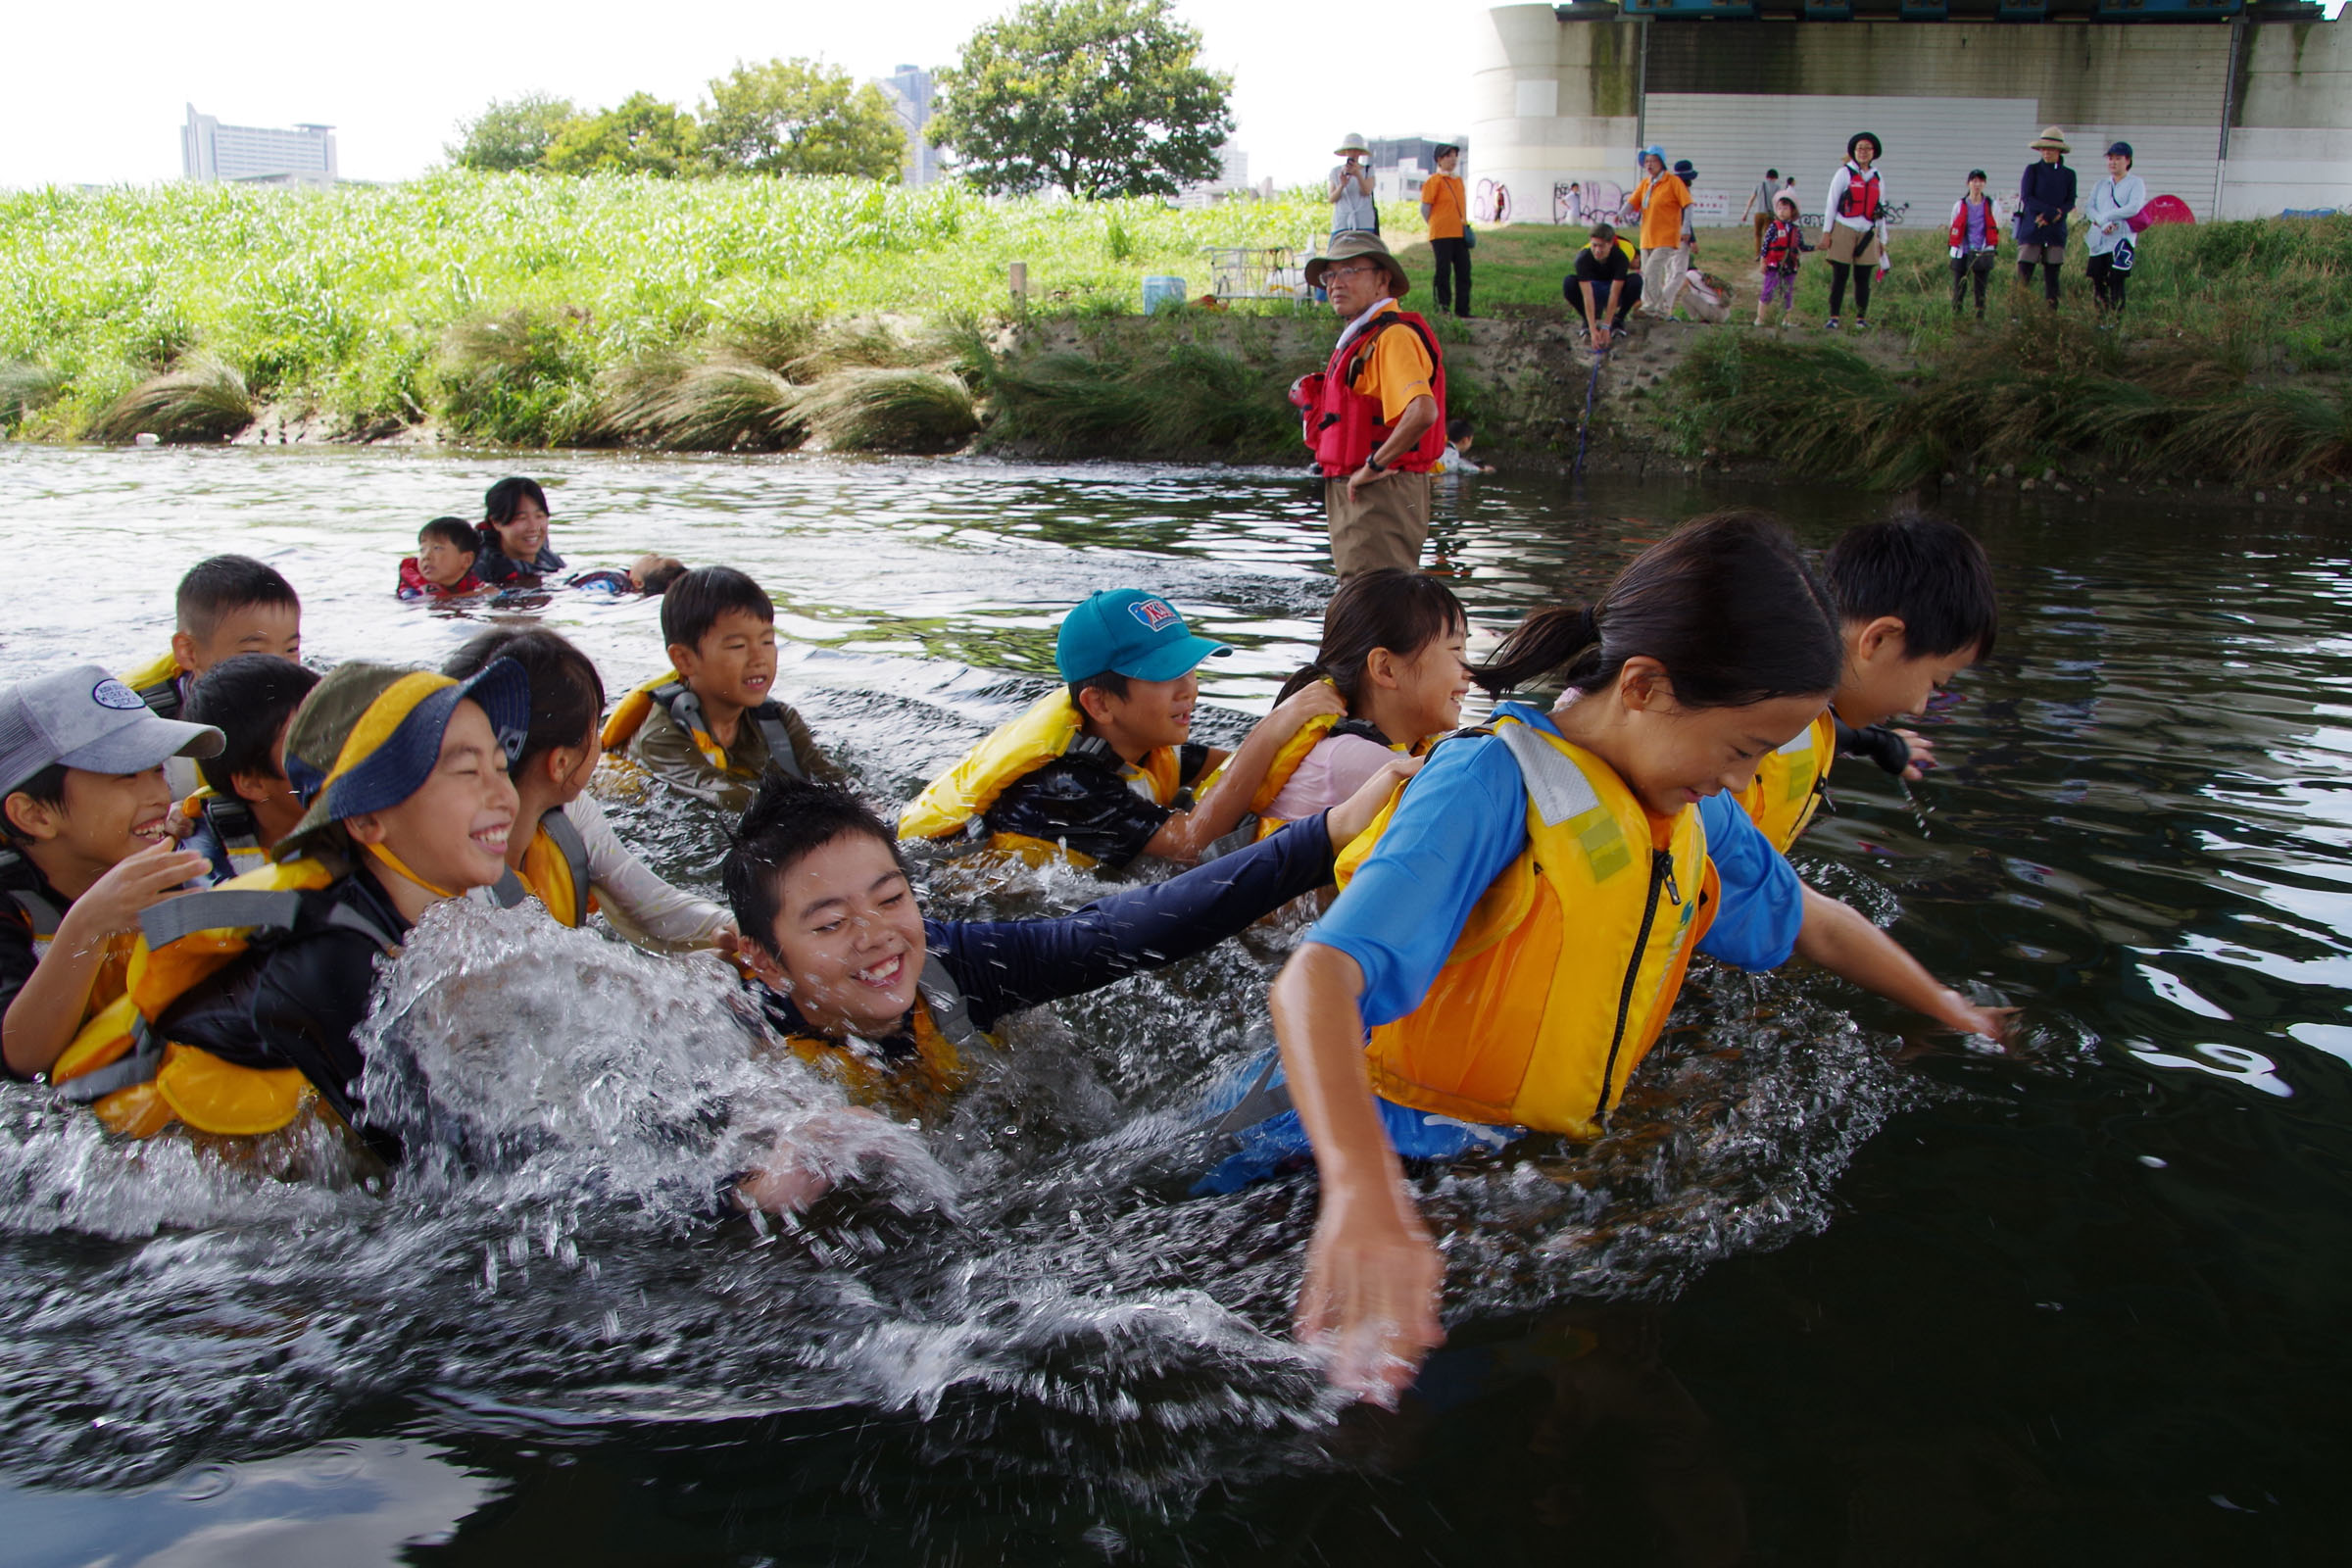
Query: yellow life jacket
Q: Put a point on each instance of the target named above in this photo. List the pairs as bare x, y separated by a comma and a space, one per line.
923, 1087
1566, 969
1789, 784
953, 803
158, 684
140, 1084
555, 871
670, 689
232, 822
25, 891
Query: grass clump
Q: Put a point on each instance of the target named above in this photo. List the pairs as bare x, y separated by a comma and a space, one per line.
519, 377
723, 404
1168, 391
203, 399
880, 409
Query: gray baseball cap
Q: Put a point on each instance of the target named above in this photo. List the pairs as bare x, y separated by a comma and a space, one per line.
85, 718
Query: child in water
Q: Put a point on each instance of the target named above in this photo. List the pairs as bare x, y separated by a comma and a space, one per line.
565, 854
1515, 932
225, 604
709, 724
1099, 771
443, 565
85, 849
514, 523
852, 974
1392, 648
247, 802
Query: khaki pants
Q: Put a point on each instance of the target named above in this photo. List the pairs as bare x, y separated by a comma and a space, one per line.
1662, 272
1382, 527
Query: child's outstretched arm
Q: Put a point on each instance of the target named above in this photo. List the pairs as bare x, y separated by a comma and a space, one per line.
1185, 835
1373, 1273
1842, 940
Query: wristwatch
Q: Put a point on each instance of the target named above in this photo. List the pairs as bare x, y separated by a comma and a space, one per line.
1375, 464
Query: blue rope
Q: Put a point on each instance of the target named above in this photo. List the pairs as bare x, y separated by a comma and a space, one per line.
1598, 355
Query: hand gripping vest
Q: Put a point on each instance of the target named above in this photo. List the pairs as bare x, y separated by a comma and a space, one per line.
158, 684
21, 887
1344, 426
232, 822
139, 1084
1789, 784
953, 803
555, 871
1563, 976
923, 1088
683, 706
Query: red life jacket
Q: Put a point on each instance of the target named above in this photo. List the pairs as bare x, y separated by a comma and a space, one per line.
1861, 198
1992, 224
1344, 426
1781, 241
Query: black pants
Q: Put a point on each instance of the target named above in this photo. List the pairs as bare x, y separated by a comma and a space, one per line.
1627, 298
2107, 284
1963, 269
1453, 274
2049, 279
1861, 274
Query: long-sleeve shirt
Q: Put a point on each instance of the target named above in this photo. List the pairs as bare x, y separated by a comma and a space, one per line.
643, 908
2046, 194
2113, 204
1847, 176
666, 751
1005, 966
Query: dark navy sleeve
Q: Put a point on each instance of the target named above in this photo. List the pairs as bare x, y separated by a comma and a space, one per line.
1081, 804
1763, 902
17, 963
1006, 965
1878, 744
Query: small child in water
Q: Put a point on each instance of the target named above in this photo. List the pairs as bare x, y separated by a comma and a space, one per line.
1457, 458
443, 565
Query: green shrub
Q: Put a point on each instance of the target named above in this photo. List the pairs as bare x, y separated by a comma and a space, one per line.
203, 398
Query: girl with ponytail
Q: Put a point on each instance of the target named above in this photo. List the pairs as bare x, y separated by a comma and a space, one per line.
1393, 647
1512, 931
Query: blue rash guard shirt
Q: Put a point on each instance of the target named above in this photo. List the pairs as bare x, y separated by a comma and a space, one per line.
1003, 966
1461, 822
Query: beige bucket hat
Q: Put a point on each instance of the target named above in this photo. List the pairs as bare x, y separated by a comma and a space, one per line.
1352, 142
1350, 245
2051, 139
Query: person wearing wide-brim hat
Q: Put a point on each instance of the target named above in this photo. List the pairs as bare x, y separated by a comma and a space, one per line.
1853, 218
1351, 185
2045, 200
1375, 416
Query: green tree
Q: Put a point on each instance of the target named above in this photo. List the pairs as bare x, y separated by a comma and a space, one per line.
639, 135
1100, 97
511, 135
801, 116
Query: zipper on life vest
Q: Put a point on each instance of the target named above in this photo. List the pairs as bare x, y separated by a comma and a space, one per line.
1662, 880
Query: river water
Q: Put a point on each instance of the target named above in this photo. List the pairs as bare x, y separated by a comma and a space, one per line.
1830, 1291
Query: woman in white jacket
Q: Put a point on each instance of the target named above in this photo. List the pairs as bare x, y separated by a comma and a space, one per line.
2114, 202
1854, 226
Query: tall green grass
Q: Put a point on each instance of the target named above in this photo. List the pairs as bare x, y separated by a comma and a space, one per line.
499, 303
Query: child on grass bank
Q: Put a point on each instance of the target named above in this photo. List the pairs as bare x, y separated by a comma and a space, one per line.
708, 725
1099, 771
1781, 249
85, 849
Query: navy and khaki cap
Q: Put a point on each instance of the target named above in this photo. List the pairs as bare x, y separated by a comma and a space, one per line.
369, 735
1126, 631
86, 719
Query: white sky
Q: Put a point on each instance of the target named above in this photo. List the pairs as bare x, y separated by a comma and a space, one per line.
101, 98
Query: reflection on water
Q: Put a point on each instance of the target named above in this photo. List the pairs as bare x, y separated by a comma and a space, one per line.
1826, 1290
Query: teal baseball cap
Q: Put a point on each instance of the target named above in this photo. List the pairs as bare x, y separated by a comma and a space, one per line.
1126, 631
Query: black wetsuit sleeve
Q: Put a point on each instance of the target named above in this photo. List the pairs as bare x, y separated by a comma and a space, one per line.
17, 965
1877, 744
294, 1005
1083, 804
1006, 965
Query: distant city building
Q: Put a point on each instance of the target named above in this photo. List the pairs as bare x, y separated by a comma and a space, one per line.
1233, 180
255, 155
909, 91
1400, 164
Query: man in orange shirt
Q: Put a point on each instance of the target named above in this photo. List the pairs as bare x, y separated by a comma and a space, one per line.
1659, 201
1446, 207
1375, 416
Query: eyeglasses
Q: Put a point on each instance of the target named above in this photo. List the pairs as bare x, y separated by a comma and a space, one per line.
1330, 273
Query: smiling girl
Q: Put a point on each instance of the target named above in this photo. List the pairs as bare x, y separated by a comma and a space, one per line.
514, 520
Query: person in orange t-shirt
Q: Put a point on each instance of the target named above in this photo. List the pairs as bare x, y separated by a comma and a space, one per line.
1446, 207
1659, 201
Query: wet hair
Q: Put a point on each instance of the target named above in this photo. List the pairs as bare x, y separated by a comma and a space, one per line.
1929, 572
1111, 680
455, 531
1459, 428
214, 587
657, 580
248, 699
1725, 603
502, 501
790, 820
567, 694
44, 788
1403, 611
692, 605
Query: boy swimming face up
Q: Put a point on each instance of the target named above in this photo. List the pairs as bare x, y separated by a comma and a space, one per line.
441, 558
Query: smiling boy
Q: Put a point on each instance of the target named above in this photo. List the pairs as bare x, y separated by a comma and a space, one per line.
1102, 769
85, 847
710, 725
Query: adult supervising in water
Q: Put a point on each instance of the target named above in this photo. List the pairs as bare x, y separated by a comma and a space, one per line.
1375, 416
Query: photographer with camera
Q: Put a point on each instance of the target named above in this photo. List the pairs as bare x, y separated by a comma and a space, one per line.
1855, 236
1351, 205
